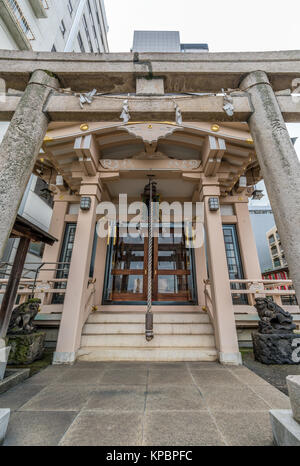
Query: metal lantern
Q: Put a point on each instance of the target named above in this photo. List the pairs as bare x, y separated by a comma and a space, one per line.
213, 204
85, 203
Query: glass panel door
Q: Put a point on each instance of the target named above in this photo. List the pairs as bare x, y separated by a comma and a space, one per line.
172, 272
172, 267
128, 269
234, 262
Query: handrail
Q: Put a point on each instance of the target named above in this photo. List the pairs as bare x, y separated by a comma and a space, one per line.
209, 307
35, 286
263, 288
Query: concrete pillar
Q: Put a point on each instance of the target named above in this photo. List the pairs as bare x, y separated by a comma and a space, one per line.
247, 243
279, 165
224, 322
76, 294
20, 147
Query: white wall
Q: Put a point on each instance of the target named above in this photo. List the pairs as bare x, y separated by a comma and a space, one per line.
46, 31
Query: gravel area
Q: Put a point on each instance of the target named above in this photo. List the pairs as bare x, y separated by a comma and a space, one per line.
274, 374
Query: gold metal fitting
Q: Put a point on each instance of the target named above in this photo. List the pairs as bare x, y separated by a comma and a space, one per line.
215, 128
84, 127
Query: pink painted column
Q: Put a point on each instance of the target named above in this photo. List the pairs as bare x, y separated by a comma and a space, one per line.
76, 294
201, 273
224, 322
247, 243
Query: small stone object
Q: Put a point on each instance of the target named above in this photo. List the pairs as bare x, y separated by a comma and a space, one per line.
293, 383
4, 420
27, 344
21, 322
274, 341
25, 349
273, 319
4, 353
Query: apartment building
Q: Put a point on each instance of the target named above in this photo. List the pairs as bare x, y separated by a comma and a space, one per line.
276, 249
53, 26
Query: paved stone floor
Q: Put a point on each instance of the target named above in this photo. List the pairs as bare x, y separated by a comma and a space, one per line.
161, 404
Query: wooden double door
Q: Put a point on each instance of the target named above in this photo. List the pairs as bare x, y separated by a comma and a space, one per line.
172, 271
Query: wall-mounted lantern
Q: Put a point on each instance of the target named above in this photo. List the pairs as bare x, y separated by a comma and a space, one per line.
243, 182
85, 203
214, 204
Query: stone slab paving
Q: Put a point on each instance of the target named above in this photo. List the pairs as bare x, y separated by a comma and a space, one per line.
134, 404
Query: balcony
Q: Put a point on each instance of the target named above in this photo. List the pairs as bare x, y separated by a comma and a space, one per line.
12, 16
39, 7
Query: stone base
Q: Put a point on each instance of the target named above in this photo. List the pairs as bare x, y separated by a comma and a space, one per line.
293, 383
64, 358
274, 348
4, 419
12, 378
4, 353
286, 430
230, 359
25, 349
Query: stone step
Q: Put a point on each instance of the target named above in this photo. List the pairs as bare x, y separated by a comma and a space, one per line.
140, 309
138, 317
159, 328
147, 354
139, 341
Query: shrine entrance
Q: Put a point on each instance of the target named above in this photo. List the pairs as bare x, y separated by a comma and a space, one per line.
173, 278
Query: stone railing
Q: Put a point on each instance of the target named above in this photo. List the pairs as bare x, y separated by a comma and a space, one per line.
281, 291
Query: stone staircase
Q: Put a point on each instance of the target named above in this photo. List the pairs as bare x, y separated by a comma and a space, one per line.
120, 336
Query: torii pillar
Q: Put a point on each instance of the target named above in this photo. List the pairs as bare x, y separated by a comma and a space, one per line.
279, 165
20, 148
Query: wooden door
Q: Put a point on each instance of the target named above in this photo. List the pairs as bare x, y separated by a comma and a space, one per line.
172, 267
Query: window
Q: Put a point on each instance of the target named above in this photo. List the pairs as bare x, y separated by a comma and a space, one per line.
37, 249
80, 41
21, 19
271, 239
234, 262
277, 262
42, 190
70, 7
62, 28
87, 34
65, 259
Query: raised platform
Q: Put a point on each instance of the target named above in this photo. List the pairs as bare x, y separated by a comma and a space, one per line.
147, 354
12, 378
286, 430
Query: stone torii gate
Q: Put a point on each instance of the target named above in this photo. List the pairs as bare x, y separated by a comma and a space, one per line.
259, 84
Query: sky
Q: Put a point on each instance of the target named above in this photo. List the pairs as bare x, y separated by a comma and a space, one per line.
226, 26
